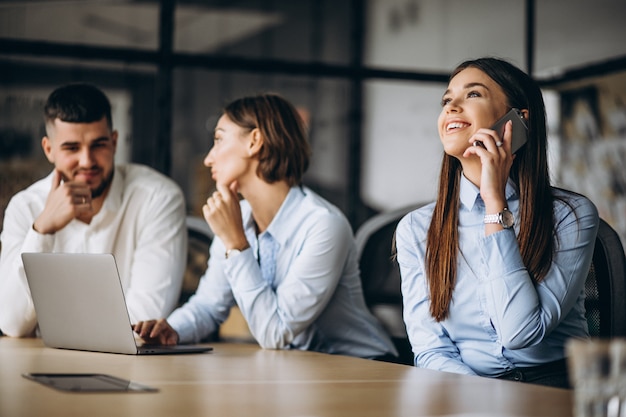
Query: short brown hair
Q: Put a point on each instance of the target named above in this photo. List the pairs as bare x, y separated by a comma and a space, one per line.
285, 152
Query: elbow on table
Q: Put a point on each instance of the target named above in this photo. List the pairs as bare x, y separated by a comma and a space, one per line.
272, 344
17, 318
274, 341
17, 330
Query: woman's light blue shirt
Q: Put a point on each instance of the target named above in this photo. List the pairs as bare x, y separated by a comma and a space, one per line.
315, 301
499, 319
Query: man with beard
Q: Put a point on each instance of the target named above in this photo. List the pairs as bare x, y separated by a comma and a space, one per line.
88, 204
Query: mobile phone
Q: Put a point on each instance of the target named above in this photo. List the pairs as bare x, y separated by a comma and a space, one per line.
87, 382
520, 130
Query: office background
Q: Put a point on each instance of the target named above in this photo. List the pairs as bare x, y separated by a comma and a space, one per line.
366, 75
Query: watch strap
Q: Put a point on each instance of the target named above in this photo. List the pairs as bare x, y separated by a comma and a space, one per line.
492, 218
504, 218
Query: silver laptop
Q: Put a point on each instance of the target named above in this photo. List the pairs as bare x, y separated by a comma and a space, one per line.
80, 305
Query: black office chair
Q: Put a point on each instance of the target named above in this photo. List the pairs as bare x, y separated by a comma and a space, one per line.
200, 237
380, 276
605, 288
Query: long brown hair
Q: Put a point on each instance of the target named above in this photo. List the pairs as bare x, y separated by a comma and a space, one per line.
530, 174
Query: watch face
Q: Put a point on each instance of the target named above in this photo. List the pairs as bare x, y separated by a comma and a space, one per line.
507, 219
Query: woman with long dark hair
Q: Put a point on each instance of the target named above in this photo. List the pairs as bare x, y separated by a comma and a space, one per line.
493, 271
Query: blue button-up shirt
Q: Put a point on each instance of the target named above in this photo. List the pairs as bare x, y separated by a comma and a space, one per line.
315, 299
498, 319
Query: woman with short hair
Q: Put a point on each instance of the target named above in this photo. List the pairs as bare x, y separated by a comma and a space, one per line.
284, 255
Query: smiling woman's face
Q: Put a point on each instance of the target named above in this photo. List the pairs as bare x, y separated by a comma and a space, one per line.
472, 101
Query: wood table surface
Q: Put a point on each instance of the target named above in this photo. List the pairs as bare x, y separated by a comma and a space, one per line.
245, 380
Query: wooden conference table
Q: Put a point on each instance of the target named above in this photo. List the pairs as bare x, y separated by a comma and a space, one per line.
244, 380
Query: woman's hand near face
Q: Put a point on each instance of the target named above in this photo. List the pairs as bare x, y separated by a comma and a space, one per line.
496, 159
223, 214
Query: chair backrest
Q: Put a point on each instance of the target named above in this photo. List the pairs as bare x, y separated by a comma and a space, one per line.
380, 276
200, 237
235, 328
605, 288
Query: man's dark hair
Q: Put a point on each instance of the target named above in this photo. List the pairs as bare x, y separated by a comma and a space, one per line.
77, 103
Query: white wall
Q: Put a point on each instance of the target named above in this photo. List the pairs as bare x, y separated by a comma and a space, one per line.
401, 148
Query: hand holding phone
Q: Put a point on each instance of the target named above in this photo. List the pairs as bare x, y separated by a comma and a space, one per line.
520, 130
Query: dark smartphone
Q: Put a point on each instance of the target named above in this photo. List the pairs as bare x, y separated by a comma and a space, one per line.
88, 383
520, 130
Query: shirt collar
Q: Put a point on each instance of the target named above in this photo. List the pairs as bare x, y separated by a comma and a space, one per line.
470, 193
280, 228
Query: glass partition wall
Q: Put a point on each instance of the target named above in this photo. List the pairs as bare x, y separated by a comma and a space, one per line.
366, 75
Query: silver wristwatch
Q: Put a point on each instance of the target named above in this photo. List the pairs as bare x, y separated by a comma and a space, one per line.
504, 218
